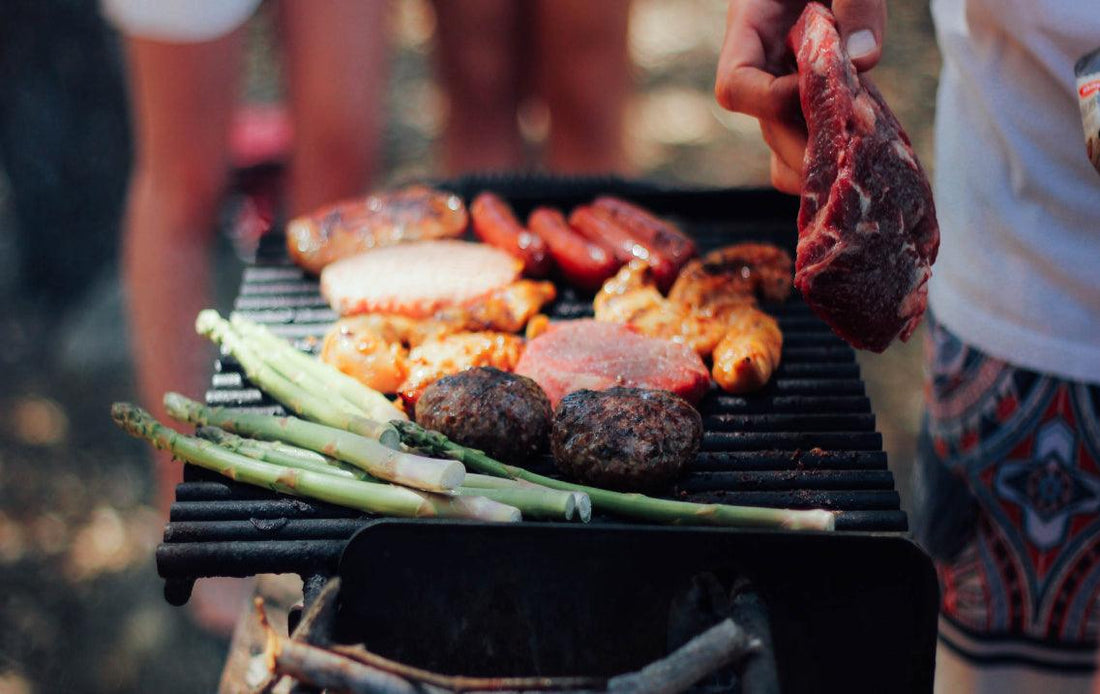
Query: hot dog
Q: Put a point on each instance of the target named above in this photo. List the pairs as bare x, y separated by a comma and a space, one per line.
650, 229
599, 226
495, 224
582, 262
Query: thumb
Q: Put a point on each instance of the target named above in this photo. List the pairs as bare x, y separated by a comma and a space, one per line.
862, 24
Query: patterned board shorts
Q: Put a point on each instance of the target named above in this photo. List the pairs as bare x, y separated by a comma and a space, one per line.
1008, 503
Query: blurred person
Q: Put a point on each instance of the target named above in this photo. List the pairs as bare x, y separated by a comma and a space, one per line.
493, 55
1008, 477
185, 62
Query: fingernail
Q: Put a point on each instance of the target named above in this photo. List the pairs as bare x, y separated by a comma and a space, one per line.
860, 44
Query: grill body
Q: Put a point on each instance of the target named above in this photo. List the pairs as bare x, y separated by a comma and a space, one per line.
569, 599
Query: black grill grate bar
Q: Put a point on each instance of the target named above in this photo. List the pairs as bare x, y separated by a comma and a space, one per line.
782, 440
240, 559
842, 354
254, 529
807, 386
781, 404
785, 480
811, 369
789, 422
788, 460
291, 288
278, 302
881, 521
860, 500
244, 509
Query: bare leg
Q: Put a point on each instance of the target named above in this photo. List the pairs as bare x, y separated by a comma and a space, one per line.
583, 71
478, 63
182, 97
336, 54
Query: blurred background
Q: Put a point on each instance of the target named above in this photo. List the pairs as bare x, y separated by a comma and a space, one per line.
79, 595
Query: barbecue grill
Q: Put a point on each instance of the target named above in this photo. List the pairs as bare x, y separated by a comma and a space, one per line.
854, 609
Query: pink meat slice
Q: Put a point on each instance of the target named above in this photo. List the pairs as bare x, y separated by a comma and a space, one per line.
417, 279
867, 224
586, 354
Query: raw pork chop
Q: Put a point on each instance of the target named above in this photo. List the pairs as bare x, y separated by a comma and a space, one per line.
867, 226
417, 279
586, 354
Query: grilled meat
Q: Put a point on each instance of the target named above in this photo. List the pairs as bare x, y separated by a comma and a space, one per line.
350, 227
732, 274
749, 352
439, 357
417, 279
507, 309
496, 224
587, 354
505, 415
712, 308
630, 439
631, 298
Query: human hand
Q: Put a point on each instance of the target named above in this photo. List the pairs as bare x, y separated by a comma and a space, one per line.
756, 73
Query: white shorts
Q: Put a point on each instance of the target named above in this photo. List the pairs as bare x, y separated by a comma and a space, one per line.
178, 21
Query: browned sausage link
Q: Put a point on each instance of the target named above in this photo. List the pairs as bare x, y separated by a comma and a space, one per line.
600, 227
662, 235
495, 224
582, 263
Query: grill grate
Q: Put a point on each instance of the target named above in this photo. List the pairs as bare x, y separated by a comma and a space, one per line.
807, 440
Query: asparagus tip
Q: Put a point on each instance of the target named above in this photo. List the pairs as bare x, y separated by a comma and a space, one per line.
207, 319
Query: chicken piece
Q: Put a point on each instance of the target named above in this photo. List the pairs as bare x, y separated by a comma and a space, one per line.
749, 351
373, 348
506, 309
731, 274
413, 213
361, 349
631, 298
439, 357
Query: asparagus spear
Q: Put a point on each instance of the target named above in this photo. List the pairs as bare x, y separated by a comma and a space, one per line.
302, 401
362, 452
288, 360
279, 453
631, 505
532, 500
386, 499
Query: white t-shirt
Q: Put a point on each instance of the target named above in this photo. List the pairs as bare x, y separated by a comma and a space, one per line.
178, 21
1018, 274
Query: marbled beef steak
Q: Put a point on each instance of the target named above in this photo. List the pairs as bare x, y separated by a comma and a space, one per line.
867, 231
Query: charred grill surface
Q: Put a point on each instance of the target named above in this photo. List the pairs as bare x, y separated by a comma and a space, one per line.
807, 439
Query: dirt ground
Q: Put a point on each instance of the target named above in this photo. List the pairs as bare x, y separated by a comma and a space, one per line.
79, 594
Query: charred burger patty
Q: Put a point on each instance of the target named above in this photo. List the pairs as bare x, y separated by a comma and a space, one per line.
630, 439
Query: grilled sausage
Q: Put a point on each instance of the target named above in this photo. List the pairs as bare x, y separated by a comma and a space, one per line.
582, 262
631, 439
599, 226
650, 229
503, 414
495, 224
350, 227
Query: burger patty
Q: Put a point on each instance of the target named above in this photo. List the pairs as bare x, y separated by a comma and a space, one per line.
630, 439
505, 415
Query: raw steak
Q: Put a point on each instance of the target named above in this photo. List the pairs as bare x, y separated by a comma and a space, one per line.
586, 354
417, 279
867, 231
